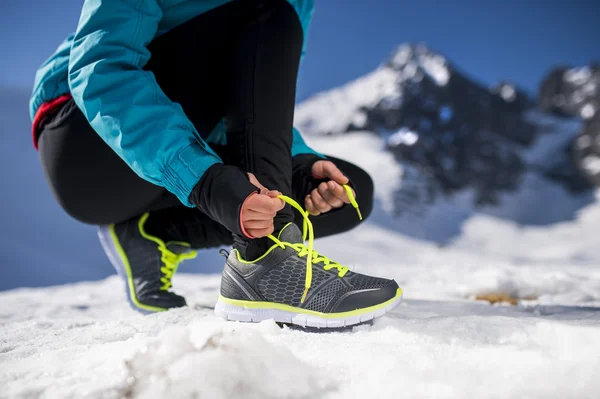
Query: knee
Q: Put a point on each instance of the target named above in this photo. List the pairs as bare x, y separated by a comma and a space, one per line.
75, 207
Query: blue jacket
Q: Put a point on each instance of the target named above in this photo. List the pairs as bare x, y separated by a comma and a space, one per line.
101, 65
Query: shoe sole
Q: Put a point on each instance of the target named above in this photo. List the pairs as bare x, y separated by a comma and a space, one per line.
110, 248
255, 312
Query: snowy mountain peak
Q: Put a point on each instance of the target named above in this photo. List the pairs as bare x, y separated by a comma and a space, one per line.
410, 73
417, 61
341, 109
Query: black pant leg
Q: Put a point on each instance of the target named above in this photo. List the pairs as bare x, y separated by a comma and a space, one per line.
88, 179
260, 105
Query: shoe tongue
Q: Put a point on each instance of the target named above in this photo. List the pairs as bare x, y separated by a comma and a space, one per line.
178, 248
291, 233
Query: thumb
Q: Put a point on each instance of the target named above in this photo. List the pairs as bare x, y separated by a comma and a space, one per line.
255, 182
275, 194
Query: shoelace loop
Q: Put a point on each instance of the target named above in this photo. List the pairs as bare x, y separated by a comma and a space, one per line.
313, 256
171, 262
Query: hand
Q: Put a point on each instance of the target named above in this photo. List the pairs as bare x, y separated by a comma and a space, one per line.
328, 195
258, 210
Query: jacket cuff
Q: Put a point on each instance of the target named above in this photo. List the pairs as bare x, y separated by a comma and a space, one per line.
184, 171
220, 194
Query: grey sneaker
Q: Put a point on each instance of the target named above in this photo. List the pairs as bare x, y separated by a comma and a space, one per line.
145, 263
274, 286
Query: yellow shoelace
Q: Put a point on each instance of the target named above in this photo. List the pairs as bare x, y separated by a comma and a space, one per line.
171, 262
313, 256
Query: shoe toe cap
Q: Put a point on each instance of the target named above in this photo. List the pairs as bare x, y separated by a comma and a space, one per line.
364, 298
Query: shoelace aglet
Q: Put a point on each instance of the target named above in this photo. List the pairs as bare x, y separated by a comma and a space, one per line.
304, 295
352, 200
359, 214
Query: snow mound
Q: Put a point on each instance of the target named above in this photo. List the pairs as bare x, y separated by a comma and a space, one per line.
489, 356
231, 362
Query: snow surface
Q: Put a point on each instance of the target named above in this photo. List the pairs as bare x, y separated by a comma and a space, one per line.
82, 340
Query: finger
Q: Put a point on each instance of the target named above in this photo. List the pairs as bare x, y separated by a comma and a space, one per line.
257, 224
328, 196
310, 206
258, 233
339, 191
262, 204
249, 214
319, 202
332, 172
273, 193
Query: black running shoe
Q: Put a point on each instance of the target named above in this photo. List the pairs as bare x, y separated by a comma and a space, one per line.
146, 264
293, 284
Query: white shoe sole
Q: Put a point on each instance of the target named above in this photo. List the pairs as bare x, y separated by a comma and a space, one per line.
234, 310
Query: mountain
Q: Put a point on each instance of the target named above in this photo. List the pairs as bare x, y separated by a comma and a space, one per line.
456, 140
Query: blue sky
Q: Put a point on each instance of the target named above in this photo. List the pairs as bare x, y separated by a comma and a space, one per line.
518, 40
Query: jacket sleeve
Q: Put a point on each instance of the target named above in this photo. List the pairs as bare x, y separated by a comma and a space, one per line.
125, 105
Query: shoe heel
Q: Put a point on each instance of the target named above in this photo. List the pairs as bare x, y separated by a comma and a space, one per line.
111, 252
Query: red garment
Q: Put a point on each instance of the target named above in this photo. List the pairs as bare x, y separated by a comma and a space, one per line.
44, 111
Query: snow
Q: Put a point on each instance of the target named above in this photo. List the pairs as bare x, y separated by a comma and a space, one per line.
435, 66
588, 111
591, 164
403, 136
508, 93
82, 340
578, 75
